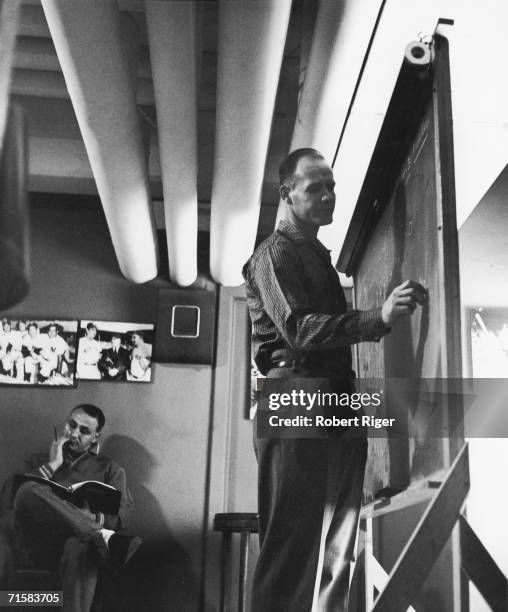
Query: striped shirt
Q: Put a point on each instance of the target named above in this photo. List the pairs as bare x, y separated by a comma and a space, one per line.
297, 305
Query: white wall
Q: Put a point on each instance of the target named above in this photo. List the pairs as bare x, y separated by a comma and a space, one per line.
483, 247
479, 99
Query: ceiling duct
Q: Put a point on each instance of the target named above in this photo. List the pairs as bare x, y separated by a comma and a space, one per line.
173, 53
90, 46
251, 45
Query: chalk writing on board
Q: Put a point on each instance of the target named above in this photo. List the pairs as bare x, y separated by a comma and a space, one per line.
416, 149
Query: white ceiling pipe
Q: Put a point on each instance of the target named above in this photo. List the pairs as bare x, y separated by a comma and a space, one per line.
251, 45
173, 53
341, 36
9, 22
88, 42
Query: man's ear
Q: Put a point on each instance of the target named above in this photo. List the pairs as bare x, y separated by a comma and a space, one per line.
284, 193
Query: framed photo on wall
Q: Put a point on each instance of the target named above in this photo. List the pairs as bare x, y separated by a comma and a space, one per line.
37, 351
114, 351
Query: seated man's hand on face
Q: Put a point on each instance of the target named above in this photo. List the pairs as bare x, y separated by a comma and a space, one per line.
402, 301
56, 449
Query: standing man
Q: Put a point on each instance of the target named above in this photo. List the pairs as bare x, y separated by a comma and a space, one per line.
53, 532
114, 361
89, 353
309, 489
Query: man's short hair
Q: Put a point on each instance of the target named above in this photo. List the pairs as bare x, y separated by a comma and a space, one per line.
138, 333
33, 324
93, 411
288, 165
91, 326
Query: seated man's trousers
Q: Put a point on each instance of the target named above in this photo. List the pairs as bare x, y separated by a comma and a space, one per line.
55, 533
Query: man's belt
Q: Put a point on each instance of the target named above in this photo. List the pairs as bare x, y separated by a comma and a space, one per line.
297, 364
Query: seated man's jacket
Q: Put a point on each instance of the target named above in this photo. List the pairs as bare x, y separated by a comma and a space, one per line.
92, 466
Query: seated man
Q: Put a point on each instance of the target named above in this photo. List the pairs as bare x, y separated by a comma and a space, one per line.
10, 351
7, 361
54, 531
32, 345
89, 354
52, 354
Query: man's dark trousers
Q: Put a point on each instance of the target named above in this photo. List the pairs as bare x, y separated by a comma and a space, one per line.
309, 496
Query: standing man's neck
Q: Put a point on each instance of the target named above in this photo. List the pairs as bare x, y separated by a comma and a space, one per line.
307, 229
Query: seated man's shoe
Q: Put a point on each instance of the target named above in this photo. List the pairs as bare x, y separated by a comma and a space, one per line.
122, 548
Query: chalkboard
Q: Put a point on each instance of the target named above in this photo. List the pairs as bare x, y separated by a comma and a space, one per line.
404, 227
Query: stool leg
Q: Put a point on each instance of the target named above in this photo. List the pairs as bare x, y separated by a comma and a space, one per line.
225, 579
242, 581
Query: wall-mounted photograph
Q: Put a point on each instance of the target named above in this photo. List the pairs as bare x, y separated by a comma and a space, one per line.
37, 351
115, 351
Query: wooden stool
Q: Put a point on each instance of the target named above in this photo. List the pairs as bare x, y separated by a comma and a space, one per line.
243, 523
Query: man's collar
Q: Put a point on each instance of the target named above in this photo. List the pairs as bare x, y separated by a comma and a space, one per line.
91, 450
75, 454
293, 233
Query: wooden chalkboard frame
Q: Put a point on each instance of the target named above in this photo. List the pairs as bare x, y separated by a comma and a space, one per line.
417, 88
414, 87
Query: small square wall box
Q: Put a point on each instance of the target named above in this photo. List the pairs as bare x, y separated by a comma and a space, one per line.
185, 326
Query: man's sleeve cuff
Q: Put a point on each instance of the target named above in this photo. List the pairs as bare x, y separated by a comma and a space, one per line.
46, 471
371, 324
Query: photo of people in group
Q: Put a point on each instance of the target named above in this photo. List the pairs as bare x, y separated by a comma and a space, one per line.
37, 352
115, 351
